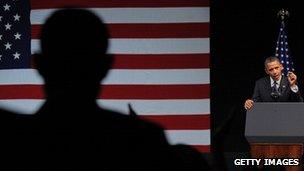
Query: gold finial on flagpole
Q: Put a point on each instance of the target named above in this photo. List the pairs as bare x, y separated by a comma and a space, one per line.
283, 14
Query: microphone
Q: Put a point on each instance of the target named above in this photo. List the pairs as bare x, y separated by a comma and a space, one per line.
275, 94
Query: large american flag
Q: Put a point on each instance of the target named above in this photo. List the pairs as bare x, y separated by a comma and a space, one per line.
161, 68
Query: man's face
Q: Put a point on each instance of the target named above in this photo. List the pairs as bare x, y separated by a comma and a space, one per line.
274, 69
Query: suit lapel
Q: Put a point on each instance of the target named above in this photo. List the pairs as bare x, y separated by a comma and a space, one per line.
268, 85
283, 84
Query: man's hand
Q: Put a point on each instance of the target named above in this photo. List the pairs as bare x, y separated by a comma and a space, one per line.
292, 78
248, 104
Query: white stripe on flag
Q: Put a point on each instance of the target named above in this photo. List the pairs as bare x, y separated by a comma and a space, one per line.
160, 107
144, 107
150, 46
154, 76
191, 137
118, 76
139, 15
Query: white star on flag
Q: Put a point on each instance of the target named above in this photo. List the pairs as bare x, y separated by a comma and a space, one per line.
17, 36
7, 45
8, 26
6, 7
16, 55
16, 17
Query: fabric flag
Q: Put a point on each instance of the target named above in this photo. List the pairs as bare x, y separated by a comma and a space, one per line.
282, 50
161, 67
14, 35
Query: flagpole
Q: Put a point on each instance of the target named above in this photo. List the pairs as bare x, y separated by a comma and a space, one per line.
283, 14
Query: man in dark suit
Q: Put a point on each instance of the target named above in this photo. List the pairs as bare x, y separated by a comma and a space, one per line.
275, 87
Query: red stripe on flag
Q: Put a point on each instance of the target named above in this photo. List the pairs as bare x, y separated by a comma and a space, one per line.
167, 61
176, 61
175, 30
21, 92
202, 148
181, 122
35, 31
37, 4
155, 91
117, 92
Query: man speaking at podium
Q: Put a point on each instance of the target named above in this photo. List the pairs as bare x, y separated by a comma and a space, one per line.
275, 87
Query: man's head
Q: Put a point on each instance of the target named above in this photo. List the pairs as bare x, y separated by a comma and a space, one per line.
273, 67
73, 56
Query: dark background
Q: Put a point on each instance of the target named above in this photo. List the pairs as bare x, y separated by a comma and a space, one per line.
243, 34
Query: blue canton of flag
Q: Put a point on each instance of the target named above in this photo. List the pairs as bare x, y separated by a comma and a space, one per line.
282, 50
15, 42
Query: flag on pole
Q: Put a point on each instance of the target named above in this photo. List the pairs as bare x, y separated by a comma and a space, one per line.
282, 49
161, 67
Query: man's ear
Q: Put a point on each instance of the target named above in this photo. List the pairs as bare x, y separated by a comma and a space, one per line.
107, 62
37, 63
266, 71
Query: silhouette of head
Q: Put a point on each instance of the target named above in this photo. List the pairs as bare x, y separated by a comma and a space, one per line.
73, 57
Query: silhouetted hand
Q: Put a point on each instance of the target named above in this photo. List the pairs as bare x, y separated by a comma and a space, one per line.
131, 111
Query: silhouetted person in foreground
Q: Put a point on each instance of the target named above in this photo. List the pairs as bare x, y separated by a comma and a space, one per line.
71, 131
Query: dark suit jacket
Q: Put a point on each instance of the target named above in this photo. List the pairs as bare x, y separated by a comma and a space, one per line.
72, 138
98, 139
263, 89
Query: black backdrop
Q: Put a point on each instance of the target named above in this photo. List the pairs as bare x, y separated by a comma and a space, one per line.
243, 34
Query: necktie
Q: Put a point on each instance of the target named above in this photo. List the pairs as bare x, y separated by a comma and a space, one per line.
276, 85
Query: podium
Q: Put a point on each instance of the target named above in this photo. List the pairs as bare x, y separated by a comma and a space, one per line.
276, 130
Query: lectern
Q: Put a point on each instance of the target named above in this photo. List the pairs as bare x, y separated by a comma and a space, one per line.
276, 130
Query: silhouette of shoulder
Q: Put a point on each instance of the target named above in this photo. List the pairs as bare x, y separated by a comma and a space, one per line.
10, 121
107, 136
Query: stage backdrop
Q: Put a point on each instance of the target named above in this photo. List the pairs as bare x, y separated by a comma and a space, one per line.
161, 67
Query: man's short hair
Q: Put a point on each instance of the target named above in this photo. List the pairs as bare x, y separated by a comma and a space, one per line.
271, 59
